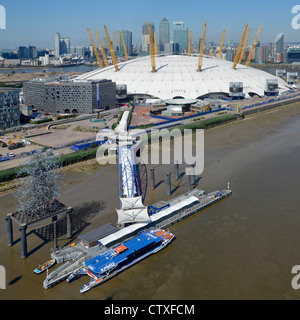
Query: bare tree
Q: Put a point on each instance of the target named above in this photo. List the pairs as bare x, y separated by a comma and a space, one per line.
40, 186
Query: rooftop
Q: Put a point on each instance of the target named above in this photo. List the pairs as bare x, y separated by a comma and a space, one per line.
176, 77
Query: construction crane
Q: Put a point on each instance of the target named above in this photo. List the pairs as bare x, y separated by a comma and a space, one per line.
95, 50
221, 45
190, 44
124, 46
202, 49
155, 44
151, 49
102, 50
112, 53
253, 48
239, 48
244, 48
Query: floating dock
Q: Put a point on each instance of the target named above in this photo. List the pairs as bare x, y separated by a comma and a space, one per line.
167, 214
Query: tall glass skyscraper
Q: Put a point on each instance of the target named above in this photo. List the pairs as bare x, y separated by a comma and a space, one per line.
181, 35
57, 45
164, 33
279, 48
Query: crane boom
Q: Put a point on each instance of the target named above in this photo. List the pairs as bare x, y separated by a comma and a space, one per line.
155, 44
112, 53
190, 44
253, 47
95, 50
102, 50
202, 49
239, 48
151, 49
221, 45
124, 46
244, 48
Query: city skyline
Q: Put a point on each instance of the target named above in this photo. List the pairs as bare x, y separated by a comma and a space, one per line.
30, 24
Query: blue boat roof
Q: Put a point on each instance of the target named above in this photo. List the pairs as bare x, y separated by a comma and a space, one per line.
113, 257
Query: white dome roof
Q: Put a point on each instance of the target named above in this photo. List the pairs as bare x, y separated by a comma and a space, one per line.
176, 76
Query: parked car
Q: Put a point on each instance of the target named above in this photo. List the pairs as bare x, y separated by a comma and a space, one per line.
11, 155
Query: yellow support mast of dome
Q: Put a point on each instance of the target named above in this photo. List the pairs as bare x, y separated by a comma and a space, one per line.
151, 49
244, 48
155, 44
190, 44
221, 45
239, 48
102, 49
201, 54
253, 48
124, 46
95, 50
112, 53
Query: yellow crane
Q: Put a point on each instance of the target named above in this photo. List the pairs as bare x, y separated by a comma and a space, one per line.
201, 54
155, 44
239, 48
244, 48
124, 46
112, 53
190, 44
221, 45
151, 49
253, 47
95, 50
102, 49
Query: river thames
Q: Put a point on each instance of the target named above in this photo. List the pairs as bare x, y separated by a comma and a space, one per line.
243, 247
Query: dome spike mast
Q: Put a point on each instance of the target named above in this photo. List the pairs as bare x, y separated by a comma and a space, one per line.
221, 45
95, 50
102, 49
244, 48
112, 53
151, 49
239, 48
190, 44
253, 48
201, 54
124, 46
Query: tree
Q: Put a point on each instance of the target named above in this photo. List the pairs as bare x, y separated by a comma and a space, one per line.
40, 186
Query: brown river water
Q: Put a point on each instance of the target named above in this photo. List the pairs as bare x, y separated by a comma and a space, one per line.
243, 247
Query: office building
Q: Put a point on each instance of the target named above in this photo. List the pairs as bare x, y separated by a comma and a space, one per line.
181, 36
78, 51
279, 48
61, 95
164, 34
23, 52
117, 41
65, 45
293, 55
9, 108
57, 45
62, 45
32, 52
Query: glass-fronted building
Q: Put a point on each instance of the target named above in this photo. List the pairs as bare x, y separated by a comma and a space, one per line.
164, 34
279, 48
9, 108
181, 35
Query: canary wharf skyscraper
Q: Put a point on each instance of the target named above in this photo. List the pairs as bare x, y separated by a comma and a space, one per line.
181, 35
164, 33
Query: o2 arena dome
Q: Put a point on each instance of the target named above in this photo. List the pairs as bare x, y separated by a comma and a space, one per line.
176, 76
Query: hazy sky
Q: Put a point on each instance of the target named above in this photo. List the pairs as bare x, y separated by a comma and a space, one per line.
36, 22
